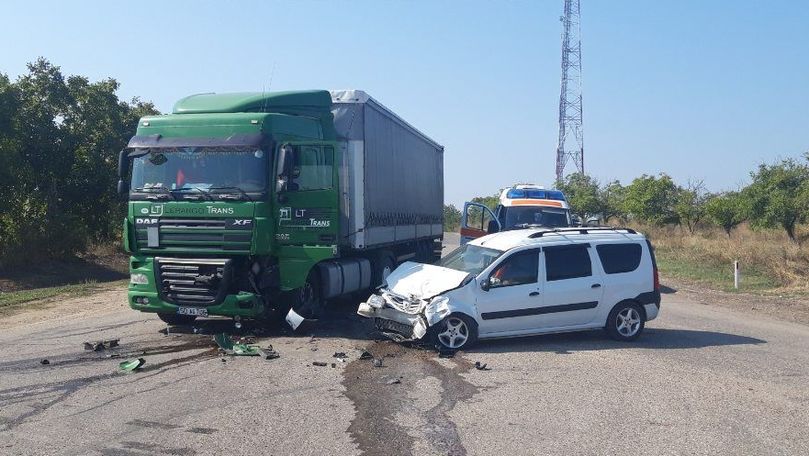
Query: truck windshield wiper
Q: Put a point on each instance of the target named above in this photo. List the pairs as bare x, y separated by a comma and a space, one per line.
238, 189
163, 192
202, 193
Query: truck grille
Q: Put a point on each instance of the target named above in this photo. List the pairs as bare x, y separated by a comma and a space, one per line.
193, 282
197, 235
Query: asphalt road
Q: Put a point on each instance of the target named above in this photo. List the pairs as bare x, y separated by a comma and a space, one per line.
701, 380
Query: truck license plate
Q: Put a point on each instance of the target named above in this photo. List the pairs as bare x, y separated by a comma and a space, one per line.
195, 311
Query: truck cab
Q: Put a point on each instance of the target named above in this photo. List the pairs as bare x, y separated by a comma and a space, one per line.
520, 206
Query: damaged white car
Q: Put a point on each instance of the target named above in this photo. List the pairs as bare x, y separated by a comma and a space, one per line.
520, 283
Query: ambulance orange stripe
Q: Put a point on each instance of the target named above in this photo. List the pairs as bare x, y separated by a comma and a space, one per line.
536, 202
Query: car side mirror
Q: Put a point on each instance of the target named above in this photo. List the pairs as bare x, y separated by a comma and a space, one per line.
485, 284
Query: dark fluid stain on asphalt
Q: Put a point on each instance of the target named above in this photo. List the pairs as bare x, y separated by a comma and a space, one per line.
375, 428
136, 448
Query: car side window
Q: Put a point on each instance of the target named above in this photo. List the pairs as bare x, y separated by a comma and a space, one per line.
618, 258
567, 262
519, 269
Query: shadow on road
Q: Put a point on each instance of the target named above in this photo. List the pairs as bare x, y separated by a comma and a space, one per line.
652, 338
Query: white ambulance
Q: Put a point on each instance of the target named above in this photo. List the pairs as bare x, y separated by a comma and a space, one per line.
521, 206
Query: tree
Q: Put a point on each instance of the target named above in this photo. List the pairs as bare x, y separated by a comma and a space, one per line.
725, 210
452, 218
690, 204
651, 199
611, 201
59, 142
779, 196
582, 194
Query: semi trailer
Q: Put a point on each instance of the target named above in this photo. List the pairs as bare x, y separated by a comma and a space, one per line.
248, 205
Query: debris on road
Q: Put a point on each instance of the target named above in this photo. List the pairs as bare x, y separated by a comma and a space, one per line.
132, 364
394, 381
446, 353
101, 344
226, 344
319, 364
44, 362
339, 355
366, 355
269, 353
481, 366
378, 362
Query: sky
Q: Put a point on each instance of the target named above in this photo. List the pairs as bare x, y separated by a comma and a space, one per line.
700, 90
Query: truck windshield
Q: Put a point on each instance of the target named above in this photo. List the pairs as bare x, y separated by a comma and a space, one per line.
470, 258
238, 170
527, 216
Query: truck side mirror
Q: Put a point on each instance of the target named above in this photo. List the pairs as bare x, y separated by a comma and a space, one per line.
123, 164
123, 187
123, 168
493, 227
285, 158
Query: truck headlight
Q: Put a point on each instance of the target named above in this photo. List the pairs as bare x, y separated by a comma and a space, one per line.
138, 279
376, 301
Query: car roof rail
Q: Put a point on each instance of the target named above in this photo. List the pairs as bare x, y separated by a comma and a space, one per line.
588, 230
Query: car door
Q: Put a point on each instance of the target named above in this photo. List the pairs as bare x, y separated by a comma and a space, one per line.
477, 221
572, 286
509, 292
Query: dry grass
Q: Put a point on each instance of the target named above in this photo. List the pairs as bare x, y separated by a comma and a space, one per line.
768, 259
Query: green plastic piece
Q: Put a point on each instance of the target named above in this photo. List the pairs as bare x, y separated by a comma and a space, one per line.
223, 341
132, 364
246, 350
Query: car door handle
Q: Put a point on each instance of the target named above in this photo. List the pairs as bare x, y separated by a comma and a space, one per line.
533, 293
595, 285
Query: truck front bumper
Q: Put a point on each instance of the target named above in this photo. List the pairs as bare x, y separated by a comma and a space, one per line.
245, 305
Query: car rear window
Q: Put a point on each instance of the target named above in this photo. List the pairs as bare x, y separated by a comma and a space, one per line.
567, 262
618, 258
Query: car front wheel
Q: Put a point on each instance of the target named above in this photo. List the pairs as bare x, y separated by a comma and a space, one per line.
455, 332
625, 322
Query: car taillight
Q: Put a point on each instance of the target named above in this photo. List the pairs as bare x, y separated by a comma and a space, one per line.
656, 279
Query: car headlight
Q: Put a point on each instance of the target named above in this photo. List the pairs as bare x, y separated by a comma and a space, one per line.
376, 301
138, 279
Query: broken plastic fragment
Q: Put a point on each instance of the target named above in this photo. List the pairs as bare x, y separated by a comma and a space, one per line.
446, 354
223, 341
378, 362
245, 350
366, 355
293, 319
482, 366
269, 353
319, 364
45, 362
339, 355
393, 381
132, 364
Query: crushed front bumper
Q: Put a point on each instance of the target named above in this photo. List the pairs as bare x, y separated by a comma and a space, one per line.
396, 324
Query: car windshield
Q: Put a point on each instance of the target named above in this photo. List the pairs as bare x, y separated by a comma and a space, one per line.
207, 169
470, 258
526, 216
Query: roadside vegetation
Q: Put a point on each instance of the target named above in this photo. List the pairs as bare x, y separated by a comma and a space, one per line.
698, 235
59, 142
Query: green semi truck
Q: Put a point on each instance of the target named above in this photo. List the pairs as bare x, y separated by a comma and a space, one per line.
266, 205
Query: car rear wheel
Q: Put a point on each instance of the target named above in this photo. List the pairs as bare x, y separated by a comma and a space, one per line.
456, 332
177, 320
626, 321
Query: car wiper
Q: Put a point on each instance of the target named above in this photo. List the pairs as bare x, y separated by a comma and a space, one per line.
164, 192
202, 193
238, 189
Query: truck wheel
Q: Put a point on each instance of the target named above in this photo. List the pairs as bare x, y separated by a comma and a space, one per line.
382, 268
306, 300
177, 320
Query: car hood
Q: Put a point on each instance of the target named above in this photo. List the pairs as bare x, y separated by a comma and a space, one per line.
423, 281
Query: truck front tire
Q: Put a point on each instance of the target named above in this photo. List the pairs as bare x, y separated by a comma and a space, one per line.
307, 300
